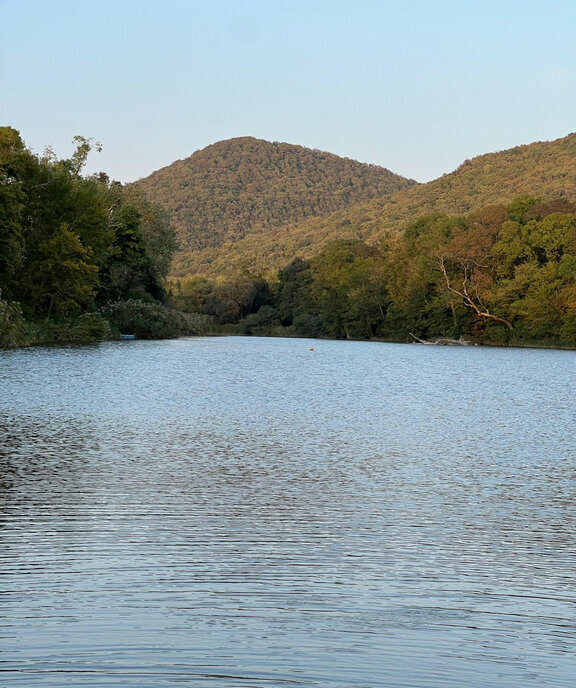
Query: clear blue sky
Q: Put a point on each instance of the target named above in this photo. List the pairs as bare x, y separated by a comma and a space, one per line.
414, 85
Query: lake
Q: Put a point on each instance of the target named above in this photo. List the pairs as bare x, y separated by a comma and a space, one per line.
248, 512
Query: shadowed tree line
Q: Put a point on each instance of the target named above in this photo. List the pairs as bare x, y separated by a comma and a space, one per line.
503, 274
71, 245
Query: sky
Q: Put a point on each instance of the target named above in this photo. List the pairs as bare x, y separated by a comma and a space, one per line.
416, 86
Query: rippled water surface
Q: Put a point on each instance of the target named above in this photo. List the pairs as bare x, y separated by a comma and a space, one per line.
247, 512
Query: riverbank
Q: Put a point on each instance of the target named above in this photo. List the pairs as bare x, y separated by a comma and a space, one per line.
290, 333
157, 321
144, 320
89, 329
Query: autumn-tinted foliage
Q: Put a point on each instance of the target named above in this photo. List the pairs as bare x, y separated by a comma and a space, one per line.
546, 170
81, 255
247, 186
501, 274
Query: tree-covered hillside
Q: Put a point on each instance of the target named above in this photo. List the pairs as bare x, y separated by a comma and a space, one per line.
247, 186
543, 169
503, 274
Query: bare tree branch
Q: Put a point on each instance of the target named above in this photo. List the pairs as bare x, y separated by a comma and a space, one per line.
464, 294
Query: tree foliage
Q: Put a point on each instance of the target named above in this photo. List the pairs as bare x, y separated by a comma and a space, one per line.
69, 243
73, 246
504, 274
248, 187
225, 244
153, 321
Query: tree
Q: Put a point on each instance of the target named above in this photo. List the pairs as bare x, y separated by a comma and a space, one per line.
230, 301
464, 287
190, 293
465, 263
61, 280
12, 200
293, 290
127, 268
157, 232
349, 289
421, 304
537, 267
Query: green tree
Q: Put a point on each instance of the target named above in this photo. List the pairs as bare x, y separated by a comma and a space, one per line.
127, 268
61, 280
189, 294
12, 203
229, 302
293, 290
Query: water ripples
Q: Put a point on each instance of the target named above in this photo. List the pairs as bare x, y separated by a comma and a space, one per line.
240, 511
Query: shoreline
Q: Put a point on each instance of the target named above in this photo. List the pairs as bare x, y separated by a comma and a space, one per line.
472, 345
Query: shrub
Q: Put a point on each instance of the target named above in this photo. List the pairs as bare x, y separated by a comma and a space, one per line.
153, 320
198, 323
260, 323
13, 330
89, 327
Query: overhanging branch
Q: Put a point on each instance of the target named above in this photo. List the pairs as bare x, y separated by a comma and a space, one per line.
464, 294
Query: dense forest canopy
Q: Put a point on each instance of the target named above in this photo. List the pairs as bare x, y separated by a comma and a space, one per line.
70, 241
83, 257
248, 186
545, 169
72, 245
501, 274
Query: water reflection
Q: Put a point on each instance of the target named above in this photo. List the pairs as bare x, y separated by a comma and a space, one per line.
241, 511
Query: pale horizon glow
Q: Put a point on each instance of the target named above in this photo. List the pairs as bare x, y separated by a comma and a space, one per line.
416, 88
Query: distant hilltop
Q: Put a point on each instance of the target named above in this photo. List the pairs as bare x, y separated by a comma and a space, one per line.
245, 204
234, 188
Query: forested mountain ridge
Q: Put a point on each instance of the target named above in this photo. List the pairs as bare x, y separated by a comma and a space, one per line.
83, 258
246, 185
544, 169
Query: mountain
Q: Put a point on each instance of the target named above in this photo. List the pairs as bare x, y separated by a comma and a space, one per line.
249, 187
219, 243
543, 169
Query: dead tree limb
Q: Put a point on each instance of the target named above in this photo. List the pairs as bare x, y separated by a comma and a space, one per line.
421, 341
467, 299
